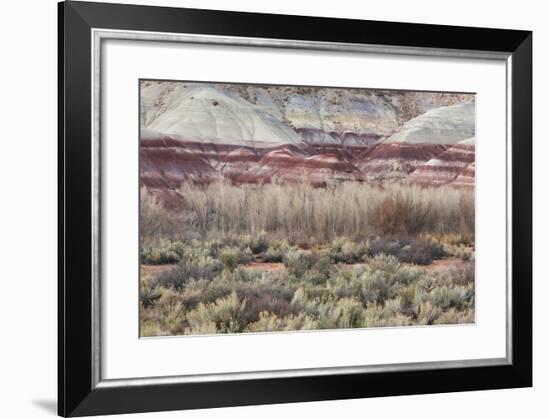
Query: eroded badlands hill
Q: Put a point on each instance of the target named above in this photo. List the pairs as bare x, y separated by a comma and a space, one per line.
420, 140
318, 115
456, 165
292, 165
199, 133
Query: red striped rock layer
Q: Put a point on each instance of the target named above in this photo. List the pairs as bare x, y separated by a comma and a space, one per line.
212, 153
467, 177
395, 161
237, 162
319, 170
167, 163
170, 167
164, 169
457, 161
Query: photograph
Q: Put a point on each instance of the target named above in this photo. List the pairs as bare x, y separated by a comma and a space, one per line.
268, 208
261, 206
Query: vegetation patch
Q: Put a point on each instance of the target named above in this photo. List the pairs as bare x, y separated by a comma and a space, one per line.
351, 256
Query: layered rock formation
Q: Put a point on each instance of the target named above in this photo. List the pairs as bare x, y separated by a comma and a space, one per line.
200, 133
169, 167
212, 153
292, 165
237, 162
456, 165
164, 169
205, 114
420, 140
395, 161
466, 178
318, 115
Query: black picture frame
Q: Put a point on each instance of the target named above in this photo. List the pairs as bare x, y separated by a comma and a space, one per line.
77, 393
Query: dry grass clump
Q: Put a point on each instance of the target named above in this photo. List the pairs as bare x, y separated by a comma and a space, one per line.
302, 214
155, 222
399, 213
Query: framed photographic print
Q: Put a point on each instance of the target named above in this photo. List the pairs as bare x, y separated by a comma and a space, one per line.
264, 208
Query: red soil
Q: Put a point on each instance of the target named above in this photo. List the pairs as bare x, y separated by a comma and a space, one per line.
265, 266
444, 264
153, 270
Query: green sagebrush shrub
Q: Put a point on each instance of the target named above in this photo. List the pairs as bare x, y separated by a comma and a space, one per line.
204, 267
223, 314
408, 250
163, 251
344, 250
201, 295
277, 251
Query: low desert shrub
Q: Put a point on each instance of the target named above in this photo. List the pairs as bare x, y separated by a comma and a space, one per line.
269, 322
230, 256
467, 274
224, 313
163, 251
421, 252
211, 291
168, 312
315, 265
383, 278
297, 262
186, 270
376, 287
331, 314
428, 313
246, 275
150, 328
207, 291
201, 328
257, 243
347, 314
147, 294
213, 246
300, 321
299, 300
408, 302
346, 251
455, 316
460, 251
408, 250
454, 239
266, 322
276, 251
264, 297
451, 297
393, 269
383, 316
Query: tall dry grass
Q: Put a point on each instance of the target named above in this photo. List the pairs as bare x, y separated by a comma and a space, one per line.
302, 213
156, 222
